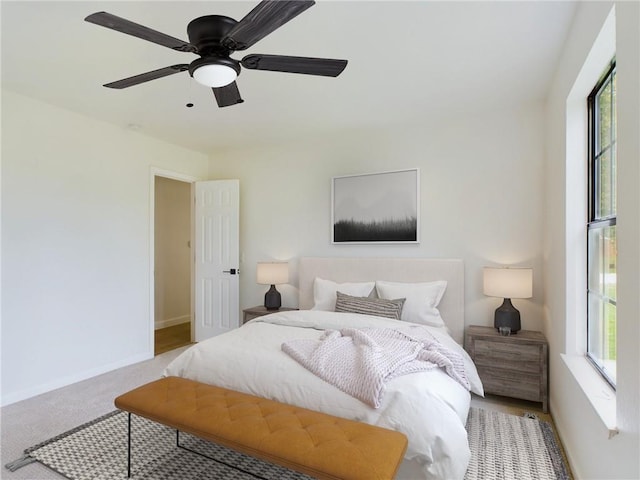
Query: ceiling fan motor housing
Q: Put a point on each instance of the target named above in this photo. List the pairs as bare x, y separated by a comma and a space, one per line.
207, 32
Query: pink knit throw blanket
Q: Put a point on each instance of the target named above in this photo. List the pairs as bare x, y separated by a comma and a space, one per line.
360, 362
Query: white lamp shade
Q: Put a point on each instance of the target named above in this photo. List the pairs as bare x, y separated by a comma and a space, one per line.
215, 76
508, 282
272, 273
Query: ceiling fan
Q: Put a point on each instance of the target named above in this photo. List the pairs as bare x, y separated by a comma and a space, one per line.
214, 38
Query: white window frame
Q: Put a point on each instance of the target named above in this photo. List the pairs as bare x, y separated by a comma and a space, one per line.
597, 222
596, 390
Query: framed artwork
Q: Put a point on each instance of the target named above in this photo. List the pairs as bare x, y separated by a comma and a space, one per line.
376, 207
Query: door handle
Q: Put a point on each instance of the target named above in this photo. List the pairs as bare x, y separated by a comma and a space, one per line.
232, 271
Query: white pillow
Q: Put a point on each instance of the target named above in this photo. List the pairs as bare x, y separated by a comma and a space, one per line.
421, 300
324, 292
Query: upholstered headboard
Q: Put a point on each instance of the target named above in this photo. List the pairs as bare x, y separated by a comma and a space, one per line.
346, 269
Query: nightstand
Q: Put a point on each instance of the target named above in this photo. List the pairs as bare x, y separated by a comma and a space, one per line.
253, 312
512, 366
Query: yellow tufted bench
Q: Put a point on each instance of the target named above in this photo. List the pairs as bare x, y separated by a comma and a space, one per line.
313, 443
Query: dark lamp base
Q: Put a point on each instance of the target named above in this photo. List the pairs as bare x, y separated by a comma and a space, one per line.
272, 299
507, 316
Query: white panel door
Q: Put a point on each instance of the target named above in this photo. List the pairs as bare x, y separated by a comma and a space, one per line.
217, 305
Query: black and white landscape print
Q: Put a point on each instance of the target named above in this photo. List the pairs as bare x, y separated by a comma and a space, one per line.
376, 207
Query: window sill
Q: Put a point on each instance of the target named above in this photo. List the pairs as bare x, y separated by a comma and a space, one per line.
596, 389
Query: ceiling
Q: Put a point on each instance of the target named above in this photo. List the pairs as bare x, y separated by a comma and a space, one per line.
409, 62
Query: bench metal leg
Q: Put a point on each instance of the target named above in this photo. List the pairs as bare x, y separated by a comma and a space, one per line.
129, 446
233, 467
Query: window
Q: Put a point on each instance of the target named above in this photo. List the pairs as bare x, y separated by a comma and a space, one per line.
601, 227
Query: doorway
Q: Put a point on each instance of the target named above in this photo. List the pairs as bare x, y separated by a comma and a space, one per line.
172, 263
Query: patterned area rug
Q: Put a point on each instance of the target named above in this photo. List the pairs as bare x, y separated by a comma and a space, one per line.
503, 447
98, 451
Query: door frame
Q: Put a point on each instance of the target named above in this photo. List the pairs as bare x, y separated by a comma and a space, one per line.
159, 172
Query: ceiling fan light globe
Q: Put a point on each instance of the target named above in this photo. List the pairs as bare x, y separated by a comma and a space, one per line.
215, 76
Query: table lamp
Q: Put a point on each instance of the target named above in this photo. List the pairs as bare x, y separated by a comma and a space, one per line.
272, 273
507, 283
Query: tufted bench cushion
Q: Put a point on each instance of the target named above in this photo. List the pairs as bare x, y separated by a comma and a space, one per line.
310, 442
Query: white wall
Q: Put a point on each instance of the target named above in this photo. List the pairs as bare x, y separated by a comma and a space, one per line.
76, 244
593, 455
172, 252
481, 199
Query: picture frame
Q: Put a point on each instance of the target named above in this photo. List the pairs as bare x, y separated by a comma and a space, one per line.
376, 208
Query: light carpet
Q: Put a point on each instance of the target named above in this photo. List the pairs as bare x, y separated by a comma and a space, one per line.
503, 447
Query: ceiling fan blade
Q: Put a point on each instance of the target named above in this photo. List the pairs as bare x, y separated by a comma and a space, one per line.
266, 17
108, 20
279, 63
227, 95
145, 77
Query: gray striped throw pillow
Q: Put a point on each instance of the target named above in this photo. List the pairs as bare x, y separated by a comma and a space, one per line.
369, 306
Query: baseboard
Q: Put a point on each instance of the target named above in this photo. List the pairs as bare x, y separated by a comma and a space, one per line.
170, 322
10, 398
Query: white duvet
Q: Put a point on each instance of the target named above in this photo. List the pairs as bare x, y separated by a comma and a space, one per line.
429, 407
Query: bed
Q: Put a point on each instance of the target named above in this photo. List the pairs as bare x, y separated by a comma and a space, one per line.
429, 406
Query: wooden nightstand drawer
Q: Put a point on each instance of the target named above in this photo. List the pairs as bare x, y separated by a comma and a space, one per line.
513, 366
523, 358
509, 384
